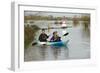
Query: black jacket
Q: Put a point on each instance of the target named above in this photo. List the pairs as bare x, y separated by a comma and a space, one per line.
43, 37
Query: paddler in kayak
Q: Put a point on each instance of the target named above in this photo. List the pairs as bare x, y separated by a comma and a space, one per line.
55, 37
43, 36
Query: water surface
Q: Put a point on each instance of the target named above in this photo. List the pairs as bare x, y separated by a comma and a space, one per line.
78, 46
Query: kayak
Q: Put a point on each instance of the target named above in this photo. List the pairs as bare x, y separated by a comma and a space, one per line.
59, 44
49, 43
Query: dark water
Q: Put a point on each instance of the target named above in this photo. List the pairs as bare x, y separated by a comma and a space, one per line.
78, 46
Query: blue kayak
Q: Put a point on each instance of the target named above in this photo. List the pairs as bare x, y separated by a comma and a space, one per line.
59, 44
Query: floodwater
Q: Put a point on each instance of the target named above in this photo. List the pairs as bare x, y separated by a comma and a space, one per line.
78, 46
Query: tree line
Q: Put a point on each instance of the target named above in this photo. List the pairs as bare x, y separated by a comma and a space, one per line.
50, 17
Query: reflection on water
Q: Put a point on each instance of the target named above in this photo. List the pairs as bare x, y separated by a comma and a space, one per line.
39, 53
78, 46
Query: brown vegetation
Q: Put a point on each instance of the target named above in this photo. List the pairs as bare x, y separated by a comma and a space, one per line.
29, 34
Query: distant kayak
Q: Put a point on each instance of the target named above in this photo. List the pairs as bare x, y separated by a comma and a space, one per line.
59, 44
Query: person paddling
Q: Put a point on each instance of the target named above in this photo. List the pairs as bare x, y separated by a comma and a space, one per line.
43, 36
55, 37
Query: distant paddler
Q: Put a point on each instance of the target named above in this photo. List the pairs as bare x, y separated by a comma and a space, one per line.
64, 24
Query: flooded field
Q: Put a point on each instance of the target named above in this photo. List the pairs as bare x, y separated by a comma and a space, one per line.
78, 46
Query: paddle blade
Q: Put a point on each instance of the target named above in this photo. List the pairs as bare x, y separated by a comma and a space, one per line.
35, 43
66, 34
